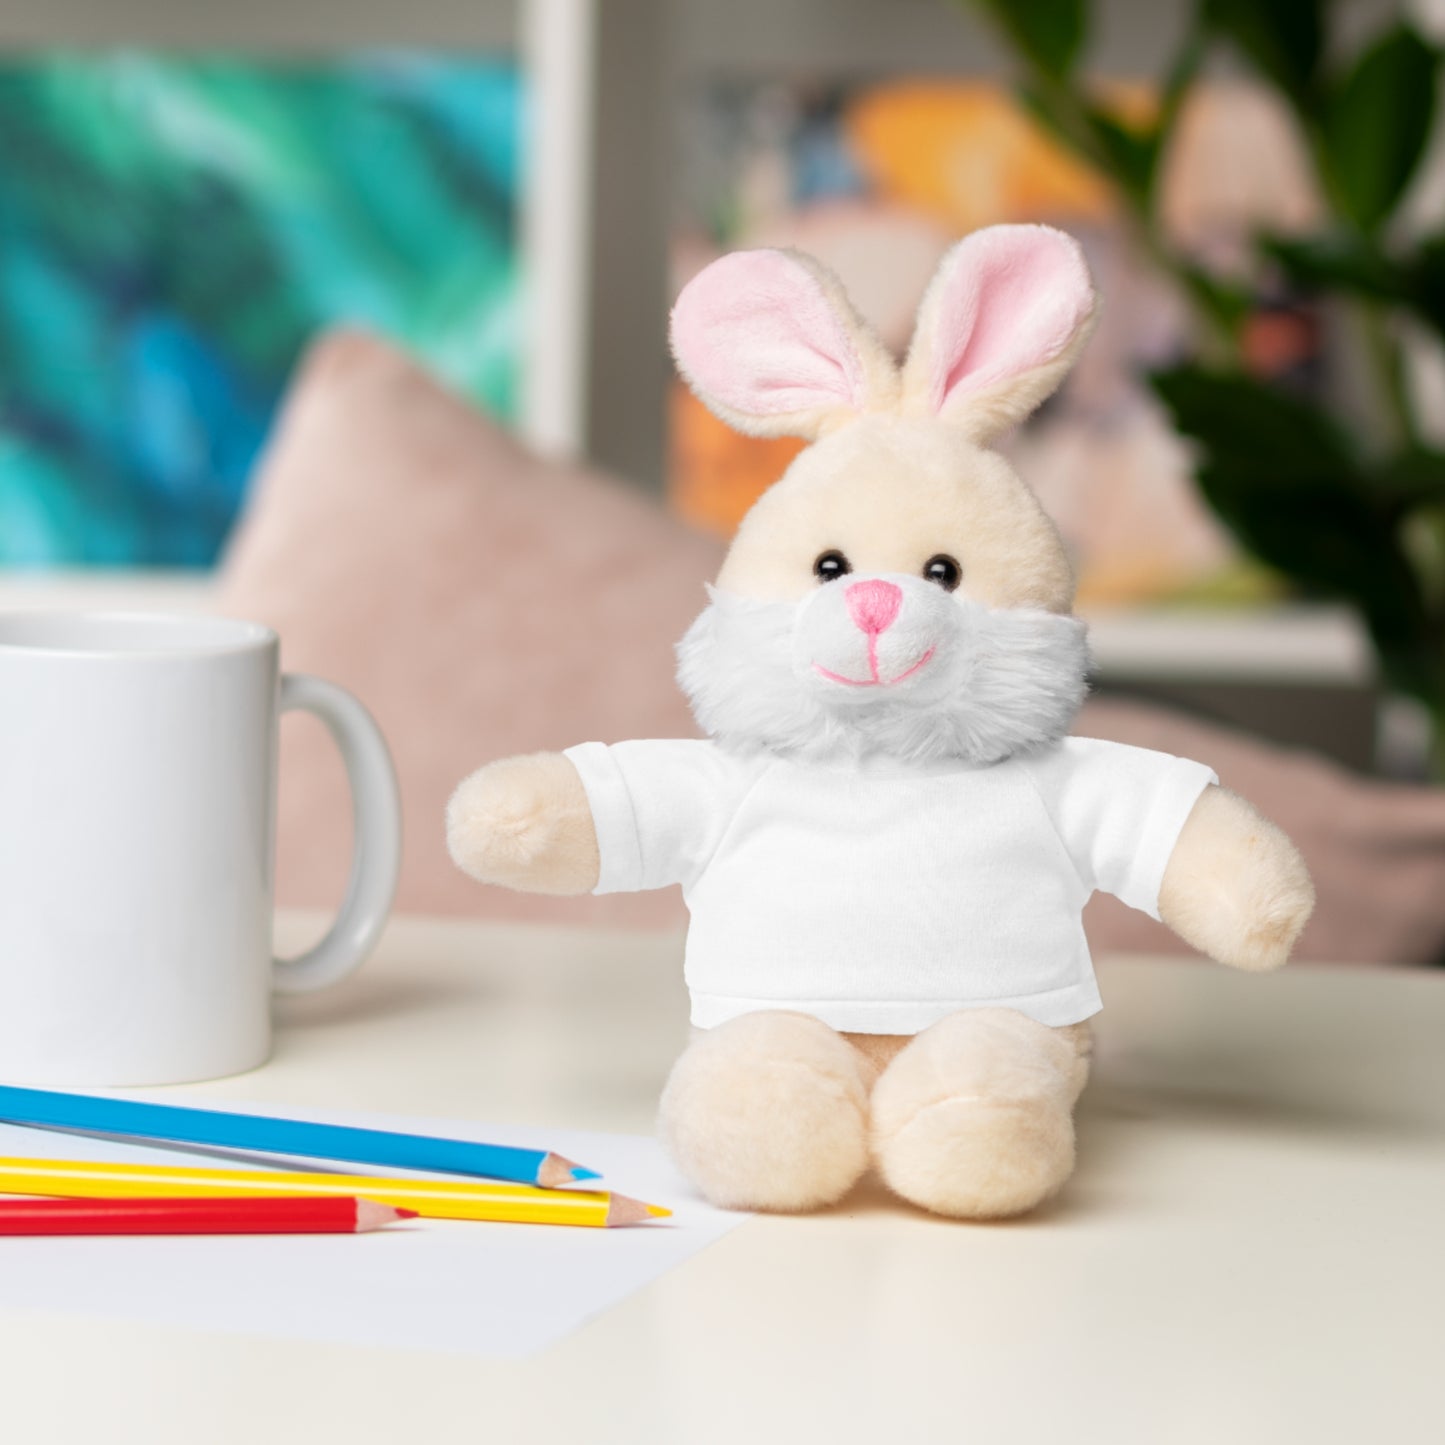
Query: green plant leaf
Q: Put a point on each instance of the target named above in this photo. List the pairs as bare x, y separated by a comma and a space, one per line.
1359, 266
1048, 33
1375, 124
1426, 286
1338, 261
1284, 38
1255, 427
1056, 111
1130, 156
1414, 478
1287, 481
1226, 301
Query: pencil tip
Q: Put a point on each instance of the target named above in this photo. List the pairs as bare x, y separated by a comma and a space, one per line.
371, 1215
622, 1210
555, 1170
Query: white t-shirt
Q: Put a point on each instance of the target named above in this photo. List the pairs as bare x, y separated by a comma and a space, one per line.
881, 898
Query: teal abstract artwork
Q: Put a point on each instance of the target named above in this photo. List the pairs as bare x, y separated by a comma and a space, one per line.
173, 232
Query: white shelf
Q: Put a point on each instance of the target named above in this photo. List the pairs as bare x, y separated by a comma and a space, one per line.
1286, 646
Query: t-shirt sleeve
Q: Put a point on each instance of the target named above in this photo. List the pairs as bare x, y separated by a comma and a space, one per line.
1118, 811
659, 807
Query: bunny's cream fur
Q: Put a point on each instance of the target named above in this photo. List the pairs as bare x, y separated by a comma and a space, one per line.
884, 675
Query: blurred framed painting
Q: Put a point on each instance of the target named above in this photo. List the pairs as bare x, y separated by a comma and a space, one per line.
174, 229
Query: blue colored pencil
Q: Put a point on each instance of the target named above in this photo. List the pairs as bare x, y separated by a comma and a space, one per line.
257, 1134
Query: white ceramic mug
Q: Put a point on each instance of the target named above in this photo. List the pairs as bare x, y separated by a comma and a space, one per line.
137, 828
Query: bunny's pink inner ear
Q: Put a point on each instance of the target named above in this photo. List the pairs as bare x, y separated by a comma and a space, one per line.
1007, 303
766, 339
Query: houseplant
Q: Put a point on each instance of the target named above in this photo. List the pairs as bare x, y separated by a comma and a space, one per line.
1346, 502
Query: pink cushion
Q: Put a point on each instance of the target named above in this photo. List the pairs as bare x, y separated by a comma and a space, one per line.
479, 601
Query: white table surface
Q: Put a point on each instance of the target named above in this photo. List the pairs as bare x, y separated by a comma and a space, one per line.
1253, 1249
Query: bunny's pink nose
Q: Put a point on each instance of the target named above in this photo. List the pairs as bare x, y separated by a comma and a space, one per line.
873, 605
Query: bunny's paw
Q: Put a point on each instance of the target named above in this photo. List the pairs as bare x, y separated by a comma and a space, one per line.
524, 823
1236, 887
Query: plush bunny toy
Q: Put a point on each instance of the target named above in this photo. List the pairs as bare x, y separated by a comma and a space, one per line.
886, 842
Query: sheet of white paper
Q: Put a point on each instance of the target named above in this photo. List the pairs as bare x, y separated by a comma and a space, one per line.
500, 1290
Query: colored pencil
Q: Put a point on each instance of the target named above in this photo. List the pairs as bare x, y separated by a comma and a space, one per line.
315, 1215
430, 1198
258, 1134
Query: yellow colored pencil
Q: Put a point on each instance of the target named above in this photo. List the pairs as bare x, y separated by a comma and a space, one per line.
430, 1198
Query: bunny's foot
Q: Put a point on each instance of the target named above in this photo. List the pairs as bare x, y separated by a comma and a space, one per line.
974, 1118
769, 1111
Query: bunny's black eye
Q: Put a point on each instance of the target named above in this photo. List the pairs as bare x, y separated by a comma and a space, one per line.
831, 565
943, 570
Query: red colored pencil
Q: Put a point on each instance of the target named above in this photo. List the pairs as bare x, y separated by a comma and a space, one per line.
321, 1214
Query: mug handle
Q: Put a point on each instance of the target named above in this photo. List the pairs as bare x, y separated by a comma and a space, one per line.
376, 856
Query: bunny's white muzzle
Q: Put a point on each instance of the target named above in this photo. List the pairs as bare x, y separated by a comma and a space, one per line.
896, 668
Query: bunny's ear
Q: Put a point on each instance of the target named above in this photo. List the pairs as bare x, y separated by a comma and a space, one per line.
1000, 325
772, 345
